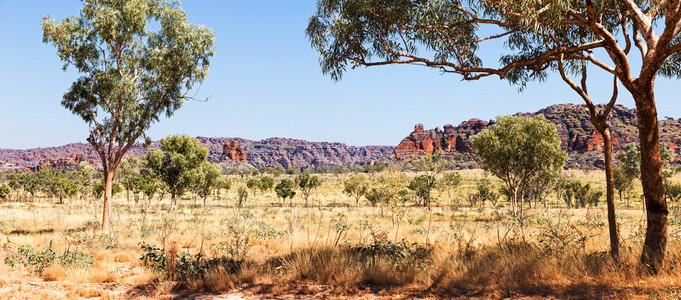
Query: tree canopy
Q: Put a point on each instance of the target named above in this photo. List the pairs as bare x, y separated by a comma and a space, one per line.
517, 149
132, 75
179, 157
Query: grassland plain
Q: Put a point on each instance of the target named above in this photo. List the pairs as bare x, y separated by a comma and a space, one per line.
332, 248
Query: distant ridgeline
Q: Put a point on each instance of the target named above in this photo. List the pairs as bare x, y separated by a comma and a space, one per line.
579, 138
229, 152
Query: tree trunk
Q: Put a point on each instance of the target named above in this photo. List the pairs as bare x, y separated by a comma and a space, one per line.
514, 201
610, 195
108, 187
173, 190
651, 179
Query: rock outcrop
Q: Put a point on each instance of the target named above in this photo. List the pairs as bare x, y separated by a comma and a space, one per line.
451, 140
233, 152
578, 136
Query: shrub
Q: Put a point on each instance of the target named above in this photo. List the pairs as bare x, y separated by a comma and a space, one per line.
40, 260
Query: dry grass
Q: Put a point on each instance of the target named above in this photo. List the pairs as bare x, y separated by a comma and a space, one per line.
459, 250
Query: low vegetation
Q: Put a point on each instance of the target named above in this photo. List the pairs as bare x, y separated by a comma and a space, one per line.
466, 242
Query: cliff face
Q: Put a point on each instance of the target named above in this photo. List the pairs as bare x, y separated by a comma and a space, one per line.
451, 140
578, 136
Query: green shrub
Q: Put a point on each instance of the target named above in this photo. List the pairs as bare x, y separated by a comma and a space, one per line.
40, 260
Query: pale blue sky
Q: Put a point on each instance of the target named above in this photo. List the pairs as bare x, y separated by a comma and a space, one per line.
264, 82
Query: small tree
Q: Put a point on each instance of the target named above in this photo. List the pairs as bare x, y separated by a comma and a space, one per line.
356, 186
623, 180
179, 155
266, 183
207, 178
4, 191
422, 185
127, 173
307, 183
378, 195
285, 190
450, 181
516, 148
484, 192
253, 184
84, 179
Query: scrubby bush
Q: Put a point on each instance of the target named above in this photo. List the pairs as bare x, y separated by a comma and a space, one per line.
39, 260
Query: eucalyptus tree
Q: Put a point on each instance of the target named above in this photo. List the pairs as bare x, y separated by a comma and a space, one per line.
517, 150
285, 190
538, 37
356, 186
307, 183
133, 73
180, 155
205, 179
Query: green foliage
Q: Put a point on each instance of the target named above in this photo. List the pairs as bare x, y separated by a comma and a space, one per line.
484, 192
356, 186
4, 191
128, 172
179, 157
40, 260
83, 177
55, 183
307, 183
450, 181
147, 184
205, 179
519, 150
580, 195
253, 184
630, 160
672, 191
182, 266
99, 189
285, 189
387, 187
266, 183
623, 180
422, 185
378, 195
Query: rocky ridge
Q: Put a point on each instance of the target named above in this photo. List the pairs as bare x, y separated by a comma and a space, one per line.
578, 136
230, 152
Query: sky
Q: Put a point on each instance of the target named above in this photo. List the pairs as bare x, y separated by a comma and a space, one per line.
265, 81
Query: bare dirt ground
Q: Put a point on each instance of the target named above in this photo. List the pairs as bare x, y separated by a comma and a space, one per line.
62, 290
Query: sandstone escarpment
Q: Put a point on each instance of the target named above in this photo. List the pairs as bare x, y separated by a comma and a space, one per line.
578, 136
451, 140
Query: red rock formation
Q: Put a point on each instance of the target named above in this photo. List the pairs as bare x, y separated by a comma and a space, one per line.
232, 151
452, 139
